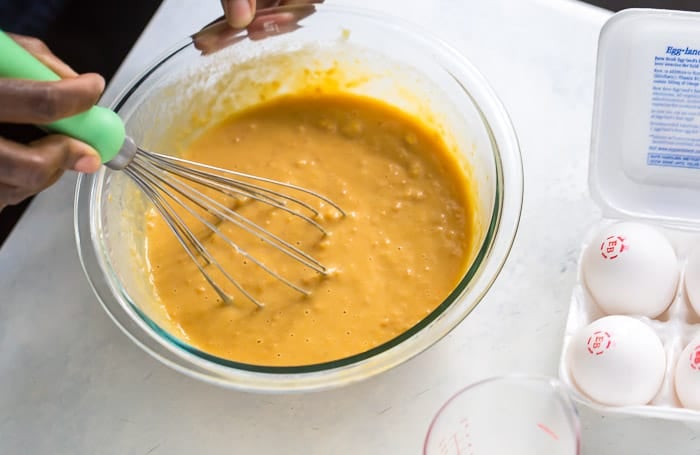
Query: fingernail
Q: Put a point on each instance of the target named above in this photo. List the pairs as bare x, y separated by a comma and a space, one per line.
101, 80
102, 83
239, 13
87, 164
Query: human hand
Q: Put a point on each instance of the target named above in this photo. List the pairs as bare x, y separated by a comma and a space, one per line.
26, 169
240, 13
260, 18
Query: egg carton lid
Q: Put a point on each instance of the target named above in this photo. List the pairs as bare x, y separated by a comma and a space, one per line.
645, 143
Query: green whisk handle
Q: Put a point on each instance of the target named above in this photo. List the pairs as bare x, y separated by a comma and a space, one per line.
100, 127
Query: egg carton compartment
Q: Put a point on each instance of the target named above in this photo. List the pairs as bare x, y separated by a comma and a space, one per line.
676, 328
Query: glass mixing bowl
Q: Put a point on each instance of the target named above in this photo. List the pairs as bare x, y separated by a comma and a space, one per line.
364, 53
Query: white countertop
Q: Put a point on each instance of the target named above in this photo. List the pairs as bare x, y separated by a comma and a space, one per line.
71, 382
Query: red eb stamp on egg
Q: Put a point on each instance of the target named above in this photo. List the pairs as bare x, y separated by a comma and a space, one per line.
599, 342
612, 247
695, 358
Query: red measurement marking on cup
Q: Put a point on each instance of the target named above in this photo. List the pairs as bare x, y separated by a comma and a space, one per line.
599, 342
548, 430
695, 358
458, 442
612, 247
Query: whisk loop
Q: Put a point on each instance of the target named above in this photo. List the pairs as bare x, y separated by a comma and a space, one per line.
153, 173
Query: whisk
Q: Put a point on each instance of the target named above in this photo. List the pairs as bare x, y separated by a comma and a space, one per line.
153, 172
164, 180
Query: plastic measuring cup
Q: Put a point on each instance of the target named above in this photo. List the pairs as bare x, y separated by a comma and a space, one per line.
515, 415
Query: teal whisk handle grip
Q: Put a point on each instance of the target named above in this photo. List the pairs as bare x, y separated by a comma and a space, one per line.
99, 127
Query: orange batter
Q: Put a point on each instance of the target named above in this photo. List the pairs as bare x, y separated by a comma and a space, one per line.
406, 241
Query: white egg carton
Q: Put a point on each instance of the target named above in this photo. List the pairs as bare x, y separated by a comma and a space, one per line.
675, 327
645, 167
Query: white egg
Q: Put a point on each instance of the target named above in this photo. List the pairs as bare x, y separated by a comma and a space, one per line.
688, 376
631, 269
692, 280
618, 361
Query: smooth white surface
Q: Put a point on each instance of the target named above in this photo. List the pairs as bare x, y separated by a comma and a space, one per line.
71, 382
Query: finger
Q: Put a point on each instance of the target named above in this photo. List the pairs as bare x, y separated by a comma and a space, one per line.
38, 49
216, 36
40, 103
263, 4
36, 166
71, 154
268, 21
239, 13
11, 195
275, 23
299, 2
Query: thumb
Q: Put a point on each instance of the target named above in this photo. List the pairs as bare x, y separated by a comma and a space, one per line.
88, 162
70, 153
239, 13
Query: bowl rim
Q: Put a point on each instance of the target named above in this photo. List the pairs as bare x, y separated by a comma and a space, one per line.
491, 256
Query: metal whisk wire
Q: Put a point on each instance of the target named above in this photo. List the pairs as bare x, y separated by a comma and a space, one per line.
153, 173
